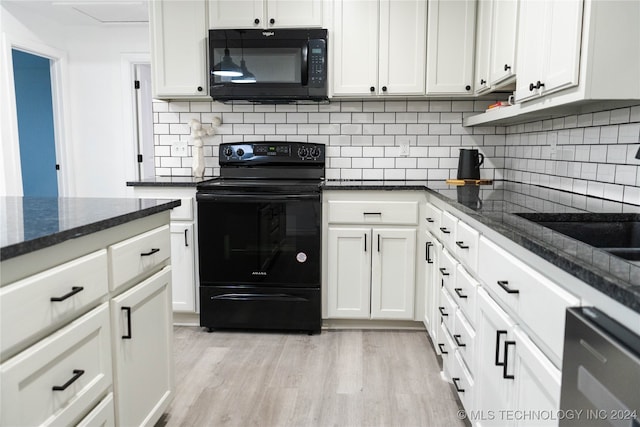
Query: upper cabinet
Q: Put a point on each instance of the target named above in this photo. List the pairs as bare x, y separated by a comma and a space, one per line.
265, 13
548, 47
178, 48
496, 36
450, 47
379, 47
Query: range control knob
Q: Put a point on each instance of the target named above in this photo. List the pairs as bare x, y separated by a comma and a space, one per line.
303, 152
315, 152
240, 152
228, 151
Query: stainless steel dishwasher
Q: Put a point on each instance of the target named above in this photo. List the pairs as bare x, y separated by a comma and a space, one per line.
600, 371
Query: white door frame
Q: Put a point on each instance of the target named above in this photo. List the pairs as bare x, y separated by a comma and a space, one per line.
11, 179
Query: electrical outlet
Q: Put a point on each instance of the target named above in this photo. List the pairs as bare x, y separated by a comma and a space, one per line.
404, 148
179, 149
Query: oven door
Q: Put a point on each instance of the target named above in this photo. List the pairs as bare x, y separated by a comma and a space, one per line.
270, 240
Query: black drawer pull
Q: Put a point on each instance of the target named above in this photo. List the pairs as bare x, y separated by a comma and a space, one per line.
497, 361
371, 213
457, 340
459, 293
443, 271
440, 346
186, 241
455, 384
505, 285
151, 252
127, 336
428, 255
430, 220
461, 245
77, 373
506, 357
444, 230
441, 309
74, 290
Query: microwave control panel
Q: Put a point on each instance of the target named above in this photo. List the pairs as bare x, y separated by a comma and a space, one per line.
317, 63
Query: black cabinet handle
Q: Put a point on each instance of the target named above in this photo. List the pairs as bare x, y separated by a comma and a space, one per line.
441, 309
256, 21
507, 67
461, 245
372, 89
440, 346
430, 220
467, 87
459, 293
444, 230
77, 373
482, 81
186, 241
199, 88
127, 336
378, 243
443, 271
428, 255
74, 290
455, 384
506, 357
372, 213
498, 333
272, 21
384, 88
537, 85
151, 252
365, 242
456, 338
505, 285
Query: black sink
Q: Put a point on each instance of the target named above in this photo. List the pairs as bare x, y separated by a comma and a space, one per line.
618, 234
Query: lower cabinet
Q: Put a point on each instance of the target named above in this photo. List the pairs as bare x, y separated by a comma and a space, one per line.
433, 248
142, 334
183, 262
371, 272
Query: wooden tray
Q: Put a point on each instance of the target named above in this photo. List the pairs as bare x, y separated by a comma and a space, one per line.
469, 181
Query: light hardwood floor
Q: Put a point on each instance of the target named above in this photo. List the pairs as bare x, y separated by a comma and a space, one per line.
338, 378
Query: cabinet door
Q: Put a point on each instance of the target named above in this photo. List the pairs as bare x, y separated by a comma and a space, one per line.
293, 13
236, 14
349, 271
403, 39
432, 284
503, 40
450, 46
483, 45
393, 273
142, 338
354, 42
183, 266
179, 48
494, 329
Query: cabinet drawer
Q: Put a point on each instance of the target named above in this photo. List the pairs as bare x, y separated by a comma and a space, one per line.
433, 218
39, 304
76, 359
538, 302
447, 348
463, 382
184, 212
447, 309
465, 338
447, 270
101, 415
373, 212
447, 230
464, 293
139, 254
466, 249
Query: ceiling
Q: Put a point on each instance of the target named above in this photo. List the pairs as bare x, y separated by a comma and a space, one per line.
87, 12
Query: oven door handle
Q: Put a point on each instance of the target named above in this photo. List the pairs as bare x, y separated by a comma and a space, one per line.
251, 197
258, 297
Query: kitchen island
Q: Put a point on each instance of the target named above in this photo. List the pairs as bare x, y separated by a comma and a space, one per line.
85, 306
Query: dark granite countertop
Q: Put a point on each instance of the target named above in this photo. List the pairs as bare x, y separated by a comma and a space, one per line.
499, 201
31, 223
168, 181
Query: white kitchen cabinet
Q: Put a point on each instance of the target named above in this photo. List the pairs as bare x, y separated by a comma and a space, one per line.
432, 284
142, 334
549, 37
450, 47
178, 35
265, 13
371, 273
379, 47
483, 46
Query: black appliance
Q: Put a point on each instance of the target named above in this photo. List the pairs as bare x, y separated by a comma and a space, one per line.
259, 235
268, 66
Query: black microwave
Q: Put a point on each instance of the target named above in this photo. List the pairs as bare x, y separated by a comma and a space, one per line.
268, 66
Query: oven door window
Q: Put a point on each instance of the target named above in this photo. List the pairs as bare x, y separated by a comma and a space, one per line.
245, 240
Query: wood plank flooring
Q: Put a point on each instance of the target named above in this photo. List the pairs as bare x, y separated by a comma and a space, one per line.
338, 378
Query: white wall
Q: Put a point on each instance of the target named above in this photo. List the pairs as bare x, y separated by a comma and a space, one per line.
98, 155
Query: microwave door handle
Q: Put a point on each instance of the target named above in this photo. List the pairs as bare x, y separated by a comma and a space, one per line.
305, 65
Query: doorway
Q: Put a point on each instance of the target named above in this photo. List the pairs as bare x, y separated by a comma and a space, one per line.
144, 120
36, 132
